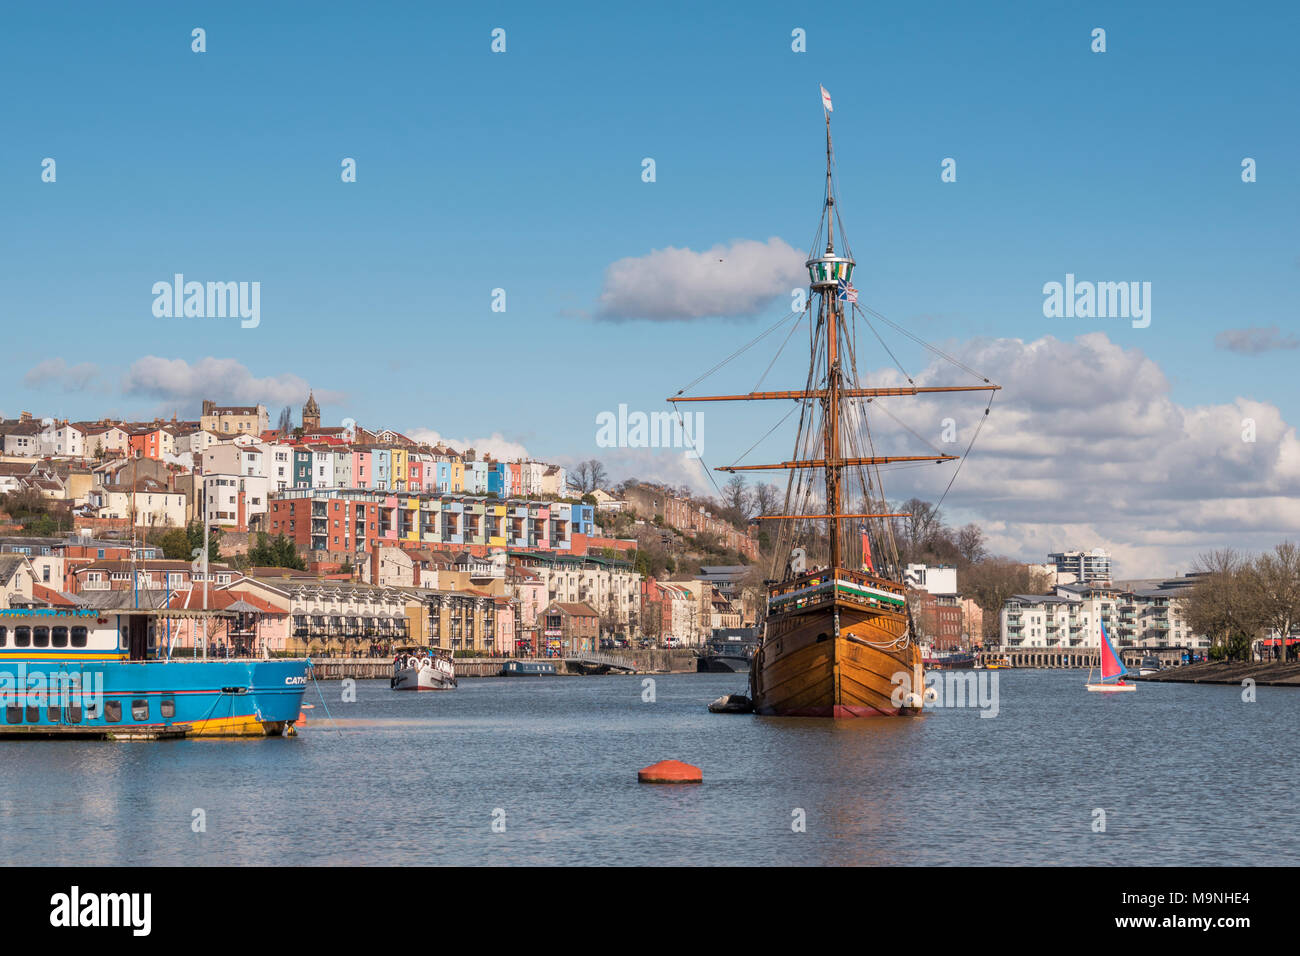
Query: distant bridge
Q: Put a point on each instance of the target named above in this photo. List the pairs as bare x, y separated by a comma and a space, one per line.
599, 664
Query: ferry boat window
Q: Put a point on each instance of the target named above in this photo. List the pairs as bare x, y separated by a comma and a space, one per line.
167, 707
72, 713
33, 714
22, 636
113, 711
53, 714
59, 637
140, 709
4, 635
40, 636
13, 714
79, 637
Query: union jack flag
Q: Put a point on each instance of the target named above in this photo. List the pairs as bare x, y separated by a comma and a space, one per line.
845, 292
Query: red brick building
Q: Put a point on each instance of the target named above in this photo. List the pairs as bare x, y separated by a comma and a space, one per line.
938, 618
575, 626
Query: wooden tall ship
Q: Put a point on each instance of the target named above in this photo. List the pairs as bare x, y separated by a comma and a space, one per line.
839, 639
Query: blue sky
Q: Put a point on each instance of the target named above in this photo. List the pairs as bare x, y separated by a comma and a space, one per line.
522, 171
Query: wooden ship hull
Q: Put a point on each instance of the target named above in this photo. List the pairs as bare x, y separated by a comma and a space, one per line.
837, 647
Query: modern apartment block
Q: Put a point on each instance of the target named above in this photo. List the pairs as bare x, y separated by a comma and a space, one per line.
1072, 617
1082, 567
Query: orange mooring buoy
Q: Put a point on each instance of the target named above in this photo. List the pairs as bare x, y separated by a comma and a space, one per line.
670, 771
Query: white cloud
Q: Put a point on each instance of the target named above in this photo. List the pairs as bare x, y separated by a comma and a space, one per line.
223, 380
739, 279
667, 465
1085, 448
496, 445
55, 371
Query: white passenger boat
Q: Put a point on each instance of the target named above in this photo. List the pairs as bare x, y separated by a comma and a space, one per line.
422, 669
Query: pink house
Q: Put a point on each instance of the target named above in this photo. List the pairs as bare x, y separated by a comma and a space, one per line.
361, 470
505, 618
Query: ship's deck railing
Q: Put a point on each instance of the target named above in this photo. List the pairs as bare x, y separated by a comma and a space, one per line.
823, 577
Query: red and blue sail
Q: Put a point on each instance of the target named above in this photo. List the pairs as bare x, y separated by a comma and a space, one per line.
1112, 668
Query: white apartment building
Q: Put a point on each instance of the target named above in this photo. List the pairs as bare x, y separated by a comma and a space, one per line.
322, 469
234, 500
1072, 617
1082, 567
936, 579
277, 465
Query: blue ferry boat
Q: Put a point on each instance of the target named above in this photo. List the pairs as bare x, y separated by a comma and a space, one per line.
93, 673
527, 668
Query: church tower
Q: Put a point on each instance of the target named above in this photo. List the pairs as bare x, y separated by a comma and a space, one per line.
311, 414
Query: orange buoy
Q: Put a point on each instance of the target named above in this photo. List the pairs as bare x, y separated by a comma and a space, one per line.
670, 771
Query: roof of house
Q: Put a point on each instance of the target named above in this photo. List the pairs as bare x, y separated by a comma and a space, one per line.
10, 565
272, 572
146, 565
580, 609
50, 596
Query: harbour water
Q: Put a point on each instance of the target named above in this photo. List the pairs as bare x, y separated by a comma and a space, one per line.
1186, 775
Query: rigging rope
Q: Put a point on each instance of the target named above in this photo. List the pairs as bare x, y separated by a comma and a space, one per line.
962, 460
740, 351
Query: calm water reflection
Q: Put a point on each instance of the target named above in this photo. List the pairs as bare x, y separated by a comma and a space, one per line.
1186, 774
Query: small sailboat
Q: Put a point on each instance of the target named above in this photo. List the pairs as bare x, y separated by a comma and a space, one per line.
1112, 669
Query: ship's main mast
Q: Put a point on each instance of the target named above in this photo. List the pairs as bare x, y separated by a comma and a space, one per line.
825, 273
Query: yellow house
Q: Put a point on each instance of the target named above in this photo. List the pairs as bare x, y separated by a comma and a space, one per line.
457, 475
413, 509
398, 458
497, 524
